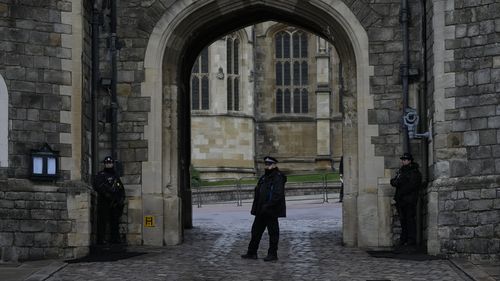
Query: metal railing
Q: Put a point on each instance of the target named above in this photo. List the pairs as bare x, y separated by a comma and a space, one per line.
236, 190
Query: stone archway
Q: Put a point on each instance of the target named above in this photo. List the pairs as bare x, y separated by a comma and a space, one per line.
183, 30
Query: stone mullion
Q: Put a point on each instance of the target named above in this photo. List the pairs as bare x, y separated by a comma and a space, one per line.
323, 93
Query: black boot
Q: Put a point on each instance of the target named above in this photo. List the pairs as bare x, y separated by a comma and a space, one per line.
270, 257
249, 256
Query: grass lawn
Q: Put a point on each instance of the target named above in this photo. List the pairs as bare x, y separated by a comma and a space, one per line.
291, 178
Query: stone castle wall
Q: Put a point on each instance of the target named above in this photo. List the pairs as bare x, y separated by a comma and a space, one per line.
466, 186
44, 221
34, 56
40, 62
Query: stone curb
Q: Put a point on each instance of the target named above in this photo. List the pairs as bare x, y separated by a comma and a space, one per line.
472, 271
47, 271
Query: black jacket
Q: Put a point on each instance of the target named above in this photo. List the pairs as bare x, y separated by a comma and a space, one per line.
407, 181
269, 197
109, 187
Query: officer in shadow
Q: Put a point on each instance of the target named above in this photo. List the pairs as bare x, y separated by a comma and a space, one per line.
110, 202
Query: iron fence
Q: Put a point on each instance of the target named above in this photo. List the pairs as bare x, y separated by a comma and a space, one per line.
236, 190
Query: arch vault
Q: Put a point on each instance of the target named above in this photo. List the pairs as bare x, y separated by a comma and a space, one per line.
180, 34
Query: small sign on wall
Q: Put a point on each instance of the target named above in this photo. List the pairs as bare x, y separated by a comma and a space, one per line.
149, 221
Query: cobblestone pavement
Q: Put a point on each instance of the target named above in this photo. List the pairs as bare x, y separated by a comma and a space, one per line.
310, 249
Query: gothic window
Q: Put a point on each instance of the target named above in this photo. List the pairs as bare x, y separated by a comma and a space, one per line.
233, 74
291, 56
199, 82
4, 120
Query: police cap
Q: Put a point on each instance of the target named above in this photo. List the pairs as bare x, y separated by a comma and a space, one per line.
108, 159
269, 159
406, 156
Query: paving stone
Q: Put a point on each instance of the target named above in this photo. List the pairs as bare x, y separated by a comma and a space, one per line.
310, 249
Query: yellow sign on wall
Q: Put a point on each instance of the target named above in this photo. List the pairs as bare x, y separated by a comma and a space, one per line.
149, 221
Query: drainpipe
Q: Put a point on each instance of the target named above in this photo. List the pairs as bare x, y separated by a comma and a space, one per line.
114, 102
423, 96
96, 21
405, 65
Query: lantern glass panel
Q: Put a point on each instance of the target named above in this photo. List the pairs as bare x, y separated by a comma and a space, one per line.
37, 165
51, 166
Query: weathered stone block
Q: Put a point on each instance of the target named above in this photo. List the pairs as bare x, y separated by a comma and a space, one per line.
458, 168
450, 246
36, 253
55, 196
476, 167
6, 239
448, 206
24, 239
51, 226
488, 166
482, 111
43, 214
57, 77
447, 218
471, 138
52, 252
479, 123
77, 239
468, 218
31, 225
14, 213
481, 205
42, 239
494, 122
460, 125
9, 225
461, 205
485, 231
479, 40
487, 137
461, 232
489, 193
479, 152
6, 204
489, 217
64, 226
496, 203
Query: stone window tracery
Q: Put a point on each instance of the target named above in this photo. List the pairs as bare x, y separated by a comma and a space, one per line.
233, 74
292, 69
200, 82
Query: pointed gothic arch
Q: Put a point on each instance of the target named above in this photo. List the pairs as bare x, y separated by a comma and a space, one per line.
170, 53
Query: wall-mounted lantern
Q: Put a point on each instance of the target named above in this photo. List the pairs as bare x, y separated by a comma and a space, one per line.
44, 163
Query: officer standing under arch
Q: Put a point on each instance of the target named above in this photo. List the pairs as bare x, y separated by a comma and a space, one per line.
268, 205
407, 181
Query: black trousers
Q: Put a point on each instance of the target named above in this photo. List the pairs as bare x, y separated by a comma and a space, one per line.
341, 195
407, 217
260, 223
108, 214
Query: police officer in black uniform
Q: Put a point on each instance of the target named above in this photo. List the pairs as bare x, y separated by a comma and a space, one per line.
111, 199
407, 181
268, 205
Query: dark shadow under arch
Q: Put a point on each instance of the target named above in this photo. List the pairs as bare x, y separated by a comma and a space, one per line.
173, 46
203, 33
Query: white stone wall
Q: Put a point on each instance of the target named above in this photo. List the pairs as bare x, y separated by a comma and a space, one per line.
222, 141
